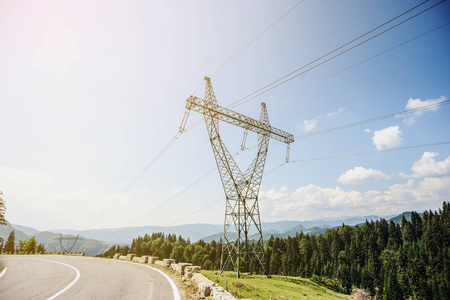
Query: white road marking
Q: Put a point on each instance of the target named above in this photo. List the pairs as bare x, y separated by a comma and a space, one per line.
57, 262
70, 285
176, 294
3, 272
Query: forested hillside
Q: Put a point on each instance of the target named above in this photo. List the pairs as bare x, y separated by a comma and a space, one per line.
386, 258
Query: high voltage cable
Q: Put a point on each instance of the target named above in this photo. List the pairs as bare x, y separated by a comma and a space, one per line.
176, 195
249, 43
153, 161
171, 142
320, 132
202, 154
405, 112
381, 53
164, 203
356, 154
242, 100
136, 178
371, 152
335, 129
321, 158
148, 166
197, 211
340, 47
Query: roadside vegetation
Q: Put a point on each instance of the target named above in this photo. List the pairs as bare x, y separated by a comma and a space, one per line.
390, 260
24, 246
277, 287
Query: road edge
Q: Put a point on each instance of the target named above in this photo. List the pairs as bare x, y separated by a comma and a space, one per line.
176, 293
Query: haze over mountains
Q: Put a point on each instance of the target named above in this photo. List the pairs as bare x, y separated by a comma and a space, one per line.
96, 241
90, 247
209, 232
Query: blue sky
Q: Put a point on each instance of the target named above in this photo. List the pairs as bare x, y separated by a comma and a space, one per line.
92, 91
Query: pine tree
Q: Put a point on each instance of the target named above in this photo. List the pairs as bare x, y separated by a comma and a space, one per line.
30, 246
9, 246
395, 236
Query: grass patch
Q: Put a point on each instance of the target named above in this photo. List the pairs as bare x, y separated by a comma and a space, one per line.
276, 288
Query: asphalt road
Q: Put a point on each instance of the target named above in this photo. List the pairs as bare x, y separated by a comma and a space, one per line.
72, 277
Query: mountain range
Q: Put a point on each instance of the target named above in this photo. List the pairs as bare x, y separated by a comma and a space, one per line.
96, 241
90, 247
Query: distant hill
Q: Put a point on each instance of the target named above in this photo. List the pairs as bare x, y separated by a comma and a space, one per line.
27, 230
125, 235
5, 231
407, 214
195, 232
91, 247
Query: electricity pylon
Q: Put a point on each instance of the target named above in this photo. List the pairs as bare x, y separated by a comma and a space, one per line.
67, 238
241, 189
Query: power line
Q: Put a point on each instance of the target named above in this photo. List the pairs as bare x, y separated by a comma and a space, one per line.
148, 166
390, 49
371, 152
356, 154
176, 137
165, 202
241, 101
176, 195
402, 113
136, 178
405, 112
348, 126
322, 158
374, 56
365, 121
235, 103
251, 42
197, 211
171, 142
264, 90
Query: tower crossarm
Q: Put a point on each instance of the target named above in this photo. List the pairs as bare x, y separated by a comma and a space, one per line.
235, 118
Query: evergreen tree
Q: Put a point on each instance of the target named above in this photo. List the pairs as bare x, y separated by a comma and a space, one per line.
177, 252
389, 260
30, 245
395, 236
9, 246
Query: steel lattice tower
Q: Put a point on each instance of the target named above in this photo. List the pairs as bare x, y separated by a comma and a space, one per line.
241, 189
62, 238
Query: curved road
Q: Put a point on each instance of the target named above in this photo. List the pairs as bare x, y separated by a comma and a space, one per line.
72, 277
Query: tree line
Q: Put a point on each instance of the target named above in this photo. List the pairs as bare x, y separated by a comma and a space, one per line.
24, 246
392, 260
395, 261
206, 255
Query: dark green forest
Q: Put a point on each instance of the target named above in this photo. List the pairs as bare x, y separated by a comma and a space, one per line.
393, 260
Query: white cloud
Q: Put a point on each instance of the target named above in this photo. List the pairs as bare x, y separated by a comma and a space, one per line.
313, 202
309, 125
361, 174
417, 103
427, 166
333, 113
425, 189
387, 138
367, 130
